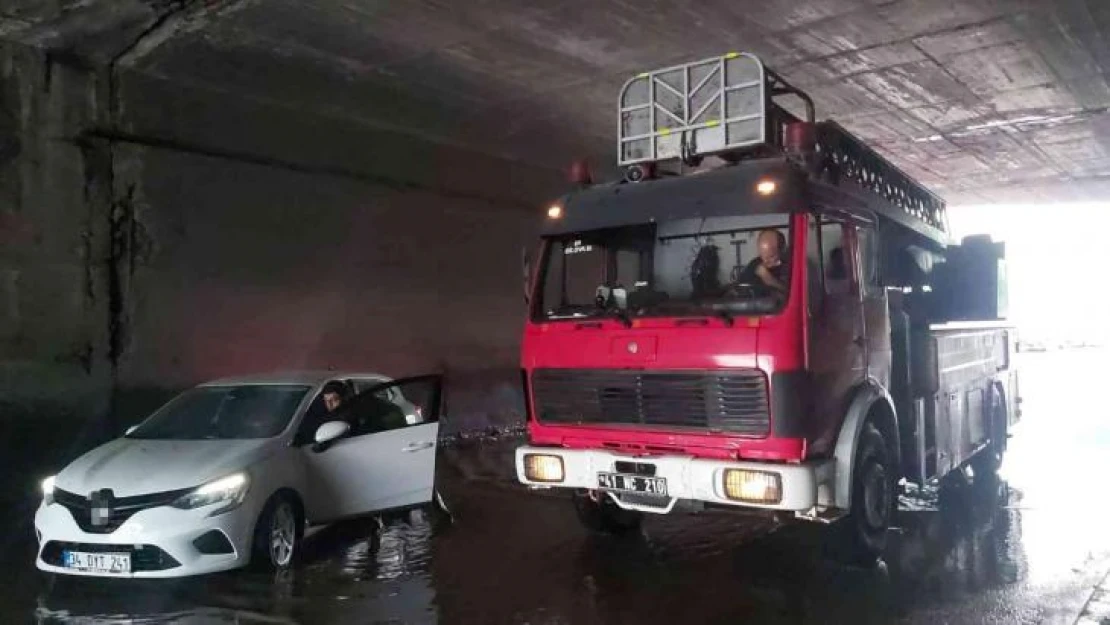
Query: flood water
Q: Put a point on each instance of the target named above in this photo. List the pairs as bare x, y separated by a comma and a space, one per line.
1026, 549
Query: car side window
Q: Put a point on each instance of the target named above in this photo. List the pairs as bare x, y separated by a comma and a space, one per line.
394, 406
315, 416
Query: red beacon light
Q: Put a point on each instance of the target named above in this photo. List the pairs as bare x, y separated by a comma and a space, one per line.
579, 173
800, 138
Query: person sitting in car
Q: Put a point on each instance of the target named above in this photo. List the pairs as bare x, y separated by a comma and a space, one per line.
333, 395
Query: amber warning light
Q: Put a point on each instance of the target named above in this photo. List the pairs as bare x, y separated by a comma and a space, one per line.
766, 187
554, 211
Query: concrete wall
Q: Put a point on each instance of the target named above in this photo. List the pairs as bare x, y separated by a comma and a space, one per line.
53, 308
244, 268
159, 234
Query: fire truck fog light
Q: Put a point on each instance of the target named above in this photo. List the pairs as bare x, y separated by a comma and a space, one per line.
543, 468
753, 486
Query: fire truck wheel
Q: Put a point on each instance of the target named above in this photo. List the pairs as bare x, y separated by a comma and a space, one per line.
873, 498
989, 460
605, 516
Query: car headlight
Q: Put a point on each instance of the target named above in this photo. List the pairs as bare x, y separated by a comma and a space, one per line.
230, 491
48, 490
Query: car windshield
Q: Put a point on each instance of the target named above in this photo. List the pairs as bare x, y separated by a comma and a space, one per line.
701, 266
224, 412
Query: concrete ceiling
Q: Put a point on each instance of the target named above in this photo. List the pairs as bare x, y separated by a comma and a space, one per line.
983, 100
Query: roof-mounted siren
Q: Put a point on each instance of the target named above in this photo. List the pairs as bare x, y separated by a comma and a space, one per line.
690, 111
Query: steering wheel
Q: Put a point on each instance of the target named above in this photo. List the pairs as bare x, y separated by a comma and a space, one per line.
742, 289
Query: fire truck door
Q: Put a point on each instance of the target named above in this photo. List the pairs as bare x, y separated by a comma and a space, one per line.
838, 341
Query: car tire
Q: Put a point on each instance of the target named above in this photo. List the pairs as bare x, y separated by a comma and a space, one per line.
604, 516
278, 534
863, 533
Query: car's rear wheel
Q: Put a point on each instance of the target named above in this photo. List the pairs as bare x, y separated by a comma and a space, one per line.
277, 537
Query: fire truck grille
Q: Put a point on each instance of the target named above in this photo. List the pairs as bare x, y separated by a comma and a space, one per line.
734, 401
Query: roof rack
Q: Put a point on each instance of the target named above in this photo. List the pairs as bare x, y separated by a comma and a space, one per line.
843, 157
715, 106
728, 106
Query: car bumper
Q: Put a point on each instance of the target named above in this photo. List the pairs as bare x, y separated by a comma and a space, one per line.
688, 478
159, 540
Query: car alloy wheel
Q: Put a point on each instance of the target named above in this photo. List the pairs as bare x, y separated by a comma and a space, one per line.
283, 534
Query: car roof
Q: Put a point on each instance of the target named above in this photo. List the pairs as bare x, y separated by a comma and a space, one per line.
310, 377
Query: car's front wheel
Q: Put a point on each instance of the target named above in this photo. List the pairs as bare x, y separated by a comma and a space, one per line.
277, 537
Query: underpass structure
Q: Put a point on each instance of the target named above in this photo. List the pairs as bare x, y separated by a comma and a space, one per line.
191, 189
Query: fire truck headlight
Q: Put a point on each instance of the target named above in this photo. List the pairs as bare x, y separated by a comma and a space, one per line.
543, 468
749, 486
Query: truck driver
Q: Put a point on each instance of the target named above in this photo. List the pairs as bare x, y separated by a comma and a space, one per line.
768, 272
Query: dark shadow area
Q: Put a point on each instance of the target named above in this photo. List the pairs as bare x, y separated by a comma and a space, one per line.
980, 550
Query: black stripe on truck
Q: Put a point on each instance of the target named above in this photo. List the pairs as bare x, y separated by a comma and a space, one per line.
790, 402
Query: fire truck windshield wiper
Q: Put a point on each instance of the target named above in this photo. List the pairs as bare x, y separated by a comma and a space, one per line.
623, 316
725, 316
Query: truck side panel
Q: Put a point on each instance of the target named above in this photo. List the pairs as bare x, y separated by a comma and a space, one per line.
969, 362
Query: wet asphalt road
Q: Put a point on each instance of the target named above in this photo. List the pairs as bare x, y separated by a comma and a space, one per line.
1027, 549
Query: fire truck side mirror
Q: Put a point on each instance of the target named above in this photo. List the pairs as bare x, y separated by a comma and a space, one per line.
526, 266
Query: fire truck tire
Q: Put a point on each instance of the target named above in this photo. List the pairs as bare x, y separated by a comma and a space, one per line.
989, 460
874, 499
604, 516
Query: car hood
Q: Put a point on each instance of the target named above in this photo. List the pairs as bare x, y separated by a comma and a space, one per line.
137, 467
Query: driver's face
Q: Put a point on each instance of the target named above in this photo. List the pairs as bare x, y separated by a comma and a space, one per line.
332, 401
768, 248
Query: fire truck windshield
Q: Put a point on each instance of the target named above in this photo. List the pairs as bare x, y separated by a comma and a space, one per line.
683, 267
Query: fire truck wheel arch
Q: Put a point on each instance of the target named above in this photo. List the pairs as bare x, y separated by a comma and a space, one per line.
870, 400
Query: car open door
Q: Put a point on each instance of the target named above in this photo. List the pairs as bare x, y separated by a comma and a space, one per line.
386, 460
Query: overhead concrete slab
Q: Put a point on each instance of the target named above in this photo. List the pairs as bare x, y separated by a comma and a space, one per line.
981, 99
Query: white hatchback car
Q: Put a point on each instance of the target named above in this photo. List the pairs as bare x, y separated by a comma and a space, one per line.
231, 472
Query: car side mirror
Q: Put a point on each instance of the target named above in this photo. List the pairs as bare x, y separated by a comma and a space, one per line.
328, 433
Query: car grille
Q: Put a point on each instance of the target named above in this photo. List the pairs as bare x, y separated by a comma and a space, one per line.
732, 401
143, 557
121, 508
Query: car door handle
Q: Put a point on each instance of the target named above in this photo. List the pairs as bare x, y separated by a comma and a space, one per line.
417, 446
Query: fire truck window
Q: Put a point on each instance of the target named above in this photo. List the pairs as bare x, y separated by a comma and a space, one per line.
628, 268
868, 264
814, 283
836, 266
576, 268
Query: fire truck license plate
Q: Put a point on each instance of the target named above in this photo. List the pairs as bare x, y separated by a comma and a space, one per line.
632, 483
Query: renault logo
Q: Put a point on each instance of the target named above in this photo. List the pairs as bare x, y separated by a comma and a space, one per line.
100, 506
633, 347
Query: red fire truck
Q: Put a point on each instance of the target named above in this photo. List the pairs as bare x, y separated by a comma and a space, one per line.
664, 373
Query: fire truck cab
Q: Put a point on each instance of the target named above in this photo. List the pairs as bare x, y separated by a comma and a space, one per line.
665, 371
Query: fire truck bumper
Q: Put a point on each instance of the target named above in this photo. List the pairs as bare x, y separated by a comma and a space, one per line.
657, 483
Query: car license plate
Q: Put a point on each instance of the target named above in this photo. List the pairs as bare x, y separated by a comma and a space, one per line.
632, 483
111, 563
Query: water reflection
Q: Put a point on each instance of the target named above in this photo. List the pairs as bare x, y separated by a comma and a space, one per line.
525, 561
987, 549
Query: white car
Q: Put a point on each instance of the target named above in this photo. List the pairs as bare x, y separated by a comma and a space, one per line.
231, 472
